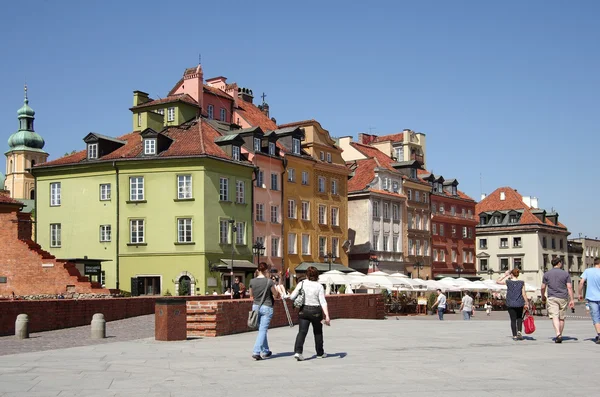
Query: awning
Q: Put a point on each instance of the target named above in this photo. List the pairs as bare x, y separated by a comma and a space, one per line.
238, 264
467, 276
322, 267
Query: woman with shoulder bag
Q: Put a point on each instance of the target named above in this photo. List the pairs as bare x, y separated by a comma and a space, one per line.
311, 312
516, 301
263, 292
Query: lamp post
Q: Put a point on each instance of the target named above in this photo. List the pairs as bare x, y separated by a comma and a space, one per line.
233, 230
459, 270
419, 266
490, 272
258, 249
330, 257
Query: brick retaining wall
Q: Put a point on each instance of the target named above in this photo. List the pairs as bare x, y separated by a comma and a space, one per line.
218, 318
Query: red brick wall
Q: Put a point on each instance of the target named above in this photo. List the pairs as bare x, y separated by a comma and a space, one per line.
47, 315
218, 318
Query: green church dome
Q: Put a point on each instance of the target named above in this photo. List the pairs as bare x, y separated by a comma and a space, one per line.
26, 110
26, 138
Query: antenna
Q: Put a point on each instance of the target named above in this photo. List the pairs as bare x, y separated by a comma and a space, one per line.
199, 59
371, 129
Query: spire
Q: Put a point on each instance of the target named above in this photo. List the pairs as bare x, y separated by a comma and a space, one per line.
26, 138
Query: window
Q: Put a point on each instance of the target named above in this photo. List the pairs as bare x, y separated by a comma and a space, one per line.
139, 117
240, 192
295, 146
305, 211
463, 213
375, 209
104, 191
184, 187
321, 184
441, 230
433, 208
240, 233
292, 209
184, 230
329, 157
435, 255
395, 187
512, 219
160, 111
222, 115
386, 239
483, 243
454, 255
442, 209
305, 244
260, 179
274, 214
223, 231
496, 220
291, 243
469, 214
136, 188
322, 245
275, 247
516, 242
425, 223
322, 215
442, 256
503, 264
375, 242
271, 148
504, 242
470, 233
517, 263
553, 243
544, 243
483, 265
335, 216
257, 145
418, 222
395, 212
335, 246
413, 173
55, 194
560, 244
426, 248
452, 210
210, 110
274, 181
417, 195
55, 235
410, 247
409, 194
322, 156
136, 231
425, 198
291, 175
171, 114
453, 230
464, 232
223, 189
304, 178
334, 186
92, 151
235, 152
418, 246
105, 233
394, 243
386, 211
434, 229
260, 212
464, 257
150, 146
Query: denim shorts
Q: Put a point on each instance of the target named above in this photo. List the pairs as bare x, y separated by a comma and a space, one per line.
595, 311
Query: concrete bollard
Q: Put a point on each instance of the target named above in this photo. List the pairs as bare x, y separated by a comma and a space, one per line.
98, 326
22, 326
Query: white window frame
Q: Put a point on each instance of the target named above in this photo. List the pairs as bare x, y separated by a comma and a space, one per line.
322, 245
335, 246
55, 194
150, 146
224, 231
55, 235
305, 244
223, 189
271, 148
184, 230
274, 181
92, 151
425, 248
291, 175
305, 211
295, 146
260, 212
275, 247
171, 114
292, 209
260, 179
105, 233
257, 144
235, 152
375, 209
184, 187
321, 185
305, 177
375, 242
322, 214
334, 186
137, 188
322, 155
137, 235
386, 240
223, 115
292, 245
105, 192
240, 233
274, 214
329, 157
386, 210
335, 216
240, 192
395, 212
210, 111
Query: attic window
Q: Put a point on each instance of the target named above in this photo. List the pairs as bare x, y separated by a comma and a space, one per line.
92, 150
413, 173
171, 114
150, 146
235, 150
210, 110
453, 190
295, 146
322, 156
329, 157
272, 148
257, 144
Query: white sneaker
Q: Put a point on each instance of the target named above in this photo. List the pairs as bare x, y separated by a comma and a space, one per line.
298, 357
323, 356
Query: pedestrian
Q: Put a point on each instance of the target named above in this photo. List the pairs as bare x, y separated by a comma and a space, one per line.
262, 290
516, 300
466, 306
488, 307
440, 303
315, 306
239, 289
591, 277
560, 289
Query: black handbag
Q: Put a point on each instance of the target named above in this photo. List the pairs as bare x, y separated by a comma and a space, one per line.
253, 314
299, 301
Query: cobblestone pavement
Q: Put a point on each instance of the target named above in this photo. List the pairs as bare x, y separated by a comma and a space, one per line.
116, 331
408, 356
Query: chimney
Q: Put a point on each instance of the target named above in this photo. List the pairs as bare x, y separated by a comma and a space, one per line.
273, 120
140, 97
265, 109
483, 196
366, 139
245, 94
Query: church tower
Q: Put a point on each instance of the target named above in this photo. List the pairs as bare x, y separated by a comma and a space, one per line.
26, 150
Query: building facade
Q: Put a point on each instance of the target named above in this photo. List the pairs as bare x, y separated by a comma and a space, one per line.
514, 233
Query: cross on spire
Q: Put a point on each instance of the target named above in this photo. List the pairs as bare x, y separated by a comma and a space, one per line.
263, 96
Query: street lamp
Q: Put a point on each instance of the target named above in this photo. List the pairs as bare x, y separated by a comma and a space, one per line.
233, 230
258, 249
419, 266
459, 270
490, 272
330, 257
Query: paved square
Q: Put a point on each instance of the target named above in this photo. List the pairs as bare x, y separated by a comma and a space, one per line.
395, 357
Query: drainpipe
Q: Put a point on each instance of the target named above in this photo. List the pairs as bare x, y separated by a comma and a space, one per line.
117, 239
36, 209
283, 210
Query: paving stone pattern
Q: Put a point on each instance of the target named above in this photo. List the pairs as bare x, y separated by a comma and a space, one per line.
411, 356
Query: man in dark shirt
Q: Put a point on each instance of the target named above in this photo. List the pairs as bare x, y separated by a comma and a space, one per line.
560, 291
239, 289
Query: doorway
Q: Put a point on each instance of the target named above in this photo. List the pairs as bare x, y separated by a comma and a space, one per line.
185, 286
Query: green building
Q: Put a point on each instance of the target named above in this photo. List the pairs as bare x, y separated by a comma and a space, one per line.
165, 208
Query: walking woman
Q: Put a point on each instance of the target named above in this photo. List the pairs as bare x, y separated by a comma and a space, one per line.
262, 290
516, 300
315, 306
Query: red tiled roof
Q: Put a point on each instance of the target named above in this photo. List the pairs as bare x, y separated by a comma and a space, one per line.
217, 92
5, 199
369, 151
364, 174
399, 137
254, 116
169, 99
295, 123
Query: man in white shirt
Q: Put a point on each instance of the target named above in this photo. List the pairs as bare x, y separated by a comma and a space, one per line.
466, 306
440, 303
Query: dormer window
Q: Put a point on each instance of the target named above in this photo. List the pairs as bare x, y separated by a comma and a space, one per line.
453, 190
272, 148
482, 220
322, 156
171, 114
295, 146
222, 115
413, 173
257, 144
92, 151
150, 146
329, 157
235, 152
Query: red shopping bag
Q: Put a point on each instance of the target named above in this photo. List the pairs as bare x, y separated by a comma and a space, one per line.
529, 323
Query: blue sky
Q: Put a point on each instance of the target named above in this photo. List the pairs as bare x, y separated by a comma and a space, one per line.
507, 92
